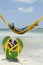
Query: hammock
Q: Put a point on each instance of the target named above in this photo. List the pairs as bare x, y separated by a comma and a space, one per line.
23, 30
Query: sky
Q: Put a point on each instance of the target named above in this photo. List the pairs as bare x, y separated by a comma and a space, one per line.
21, 12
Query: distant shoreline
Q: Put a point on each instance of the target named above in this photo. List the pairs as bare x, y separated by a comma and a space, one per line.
9, 29
4, 29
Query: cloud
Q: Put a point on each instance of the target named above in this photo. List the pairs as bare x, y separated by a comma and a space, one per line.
25, 1
29, 10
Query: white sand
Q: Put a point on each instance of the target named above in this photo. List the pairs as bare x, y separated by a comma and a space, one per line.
22, 61
32, 53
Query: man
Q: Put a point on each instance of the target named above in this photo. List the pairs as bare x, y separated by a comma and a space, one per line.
12, 25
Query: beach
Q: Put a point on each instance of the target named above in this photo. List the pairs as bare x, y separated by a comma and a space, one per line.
32, 53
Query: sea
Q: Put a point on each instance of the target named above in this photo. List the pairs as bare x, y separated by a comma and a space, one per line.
32, 41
